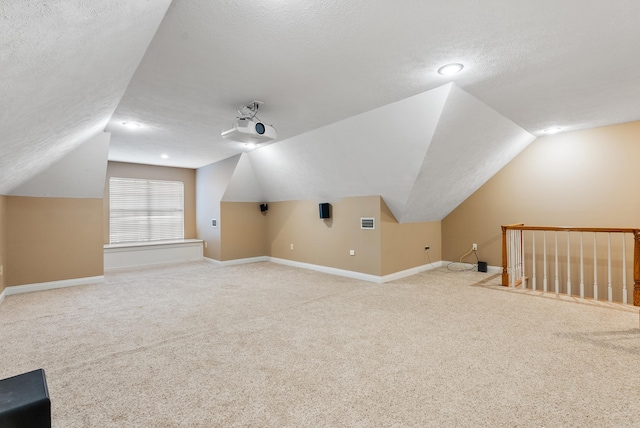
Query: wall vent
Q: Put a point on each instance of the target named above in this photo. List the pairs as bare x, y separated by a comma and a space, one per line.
367, 223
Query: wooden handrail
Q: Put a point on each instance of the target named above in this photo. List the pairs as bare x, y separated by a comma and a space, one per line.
636, 248
571, 229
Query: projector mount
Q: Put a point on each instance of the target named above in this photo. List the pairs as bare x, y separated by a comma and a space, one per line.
250, 111
248, 128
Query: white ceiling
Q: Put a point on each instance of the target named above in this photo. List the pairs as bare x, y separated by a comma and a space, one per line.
64, 68
545, 63
73, 68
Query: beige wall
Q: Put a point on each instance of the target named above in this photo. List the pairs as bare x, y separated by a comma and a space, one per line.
3, 231
151, 172
402, 245
51, 239
586, 178
243, 229
326, 242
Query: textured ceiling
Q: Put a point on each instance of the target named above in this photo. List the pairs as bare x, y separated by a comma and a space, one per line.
65, 66
540, 64
71, 69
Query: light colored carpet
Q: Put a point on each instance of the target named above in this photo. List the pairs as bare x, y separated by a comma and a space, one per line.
266, 345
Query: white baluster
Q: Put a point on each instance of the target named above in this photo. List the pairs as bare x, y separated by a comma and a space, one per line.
568, 263
595, 269
557, 283
581, 267
524, 281
544, 261
609, 289
624, 268
513, 261
533, 264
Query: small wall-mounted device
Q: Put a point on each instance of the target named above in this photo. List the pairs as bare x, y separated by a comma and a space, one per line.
367, 223
264, 207
325, 210
214, 222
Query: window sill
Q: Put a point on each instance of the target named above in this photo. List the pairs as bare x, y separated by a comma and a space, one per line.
152, 244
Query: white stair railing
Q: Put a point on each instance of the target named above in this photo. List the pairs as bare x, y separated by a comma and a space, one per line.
519, 258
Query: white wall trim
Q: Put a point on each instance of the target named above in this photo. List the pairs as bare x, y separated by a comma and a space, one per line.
2, 296
409, 272
494, 269
237, 261
41, 286
490, 269
329, 270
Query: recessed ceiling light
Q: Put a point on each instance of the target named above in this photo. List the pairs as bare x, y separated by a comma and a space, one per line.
250, 145
164, 156
552, 130
450, 69
132, 125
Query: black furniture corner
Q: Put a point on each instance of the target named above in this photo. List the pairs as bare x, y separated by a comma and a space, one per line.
24, 401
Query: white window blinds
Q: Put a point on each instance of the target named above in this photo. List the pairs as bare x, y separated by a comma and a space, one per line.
145, 210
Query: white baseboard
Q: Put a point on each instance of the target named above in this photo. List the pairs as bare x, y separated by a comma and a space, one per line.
359, 275
237, 261
41, 286
490, 269
409, 272
327, 269
2, 296
494, 269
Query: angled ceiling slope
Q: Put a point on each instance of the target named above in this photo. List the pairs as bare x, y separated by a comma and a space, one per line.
65, 67
379, 152
472, 142
81, 173
243, 185
424, 155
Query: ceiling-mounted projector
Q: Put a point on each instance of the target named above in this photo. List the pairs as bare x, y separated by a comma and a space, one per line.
248, 129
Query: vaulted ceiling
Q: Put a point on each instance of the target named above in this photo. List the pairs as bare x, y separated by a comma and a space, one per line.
351, 87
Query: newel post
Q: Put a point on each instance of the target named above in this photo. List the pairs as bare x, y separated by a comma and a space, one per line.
636, 267
505, 272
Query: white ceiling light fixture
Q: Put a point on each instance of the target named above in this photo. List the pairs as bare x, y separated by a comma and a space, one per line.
551, 131
248, 128
132, 125
449, 69
164, 156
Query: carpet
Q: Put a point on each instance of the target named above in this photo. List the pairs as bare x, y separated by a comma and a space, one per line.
267, 345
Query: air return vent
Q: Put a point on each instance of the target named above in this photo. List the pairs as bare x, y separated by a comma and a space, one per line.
367, 223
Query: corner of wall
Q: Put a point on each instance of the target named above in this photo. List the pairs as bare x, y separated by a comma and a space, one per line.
243, 232
3, 230
211, 182
403, 245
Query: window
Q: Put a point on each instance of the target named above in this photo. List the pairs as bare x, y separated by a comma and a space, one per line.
145, 210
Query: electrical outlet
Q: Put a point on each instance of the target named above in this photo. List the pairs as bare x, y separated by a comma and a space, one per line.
352, 252
292, 246
426, 248
474, 247
205, 244
1, 269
